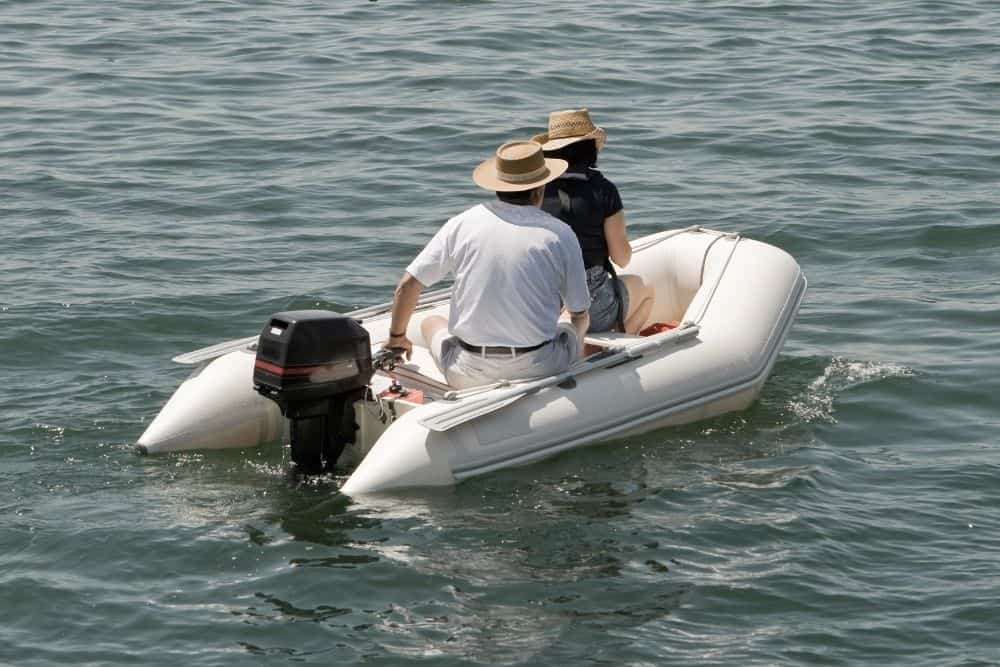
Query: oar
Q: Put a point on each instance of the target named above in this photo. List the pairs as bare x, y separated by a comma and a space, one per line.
466, 411
427, 300
214, 351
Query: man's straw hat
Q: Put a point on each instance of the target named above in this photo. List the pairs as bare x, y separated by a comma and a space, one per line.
518, 166
568, 127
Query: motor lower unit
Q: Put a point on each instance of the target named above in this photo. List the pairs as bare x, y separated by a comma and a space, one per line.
314, 364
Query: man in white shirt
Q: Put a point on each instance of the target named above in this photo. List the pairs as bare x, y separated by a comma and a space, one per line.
515, 268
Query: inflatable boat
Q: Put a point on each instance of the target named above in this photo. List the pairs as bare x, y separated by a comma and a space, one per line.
724, 305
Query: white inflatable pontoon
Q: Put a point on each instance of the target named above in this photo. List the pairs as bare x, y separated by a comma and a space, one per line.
734, 299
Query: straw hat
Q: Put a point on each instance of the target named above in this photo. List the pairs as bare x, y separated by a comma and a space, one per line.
568, 127
518, 166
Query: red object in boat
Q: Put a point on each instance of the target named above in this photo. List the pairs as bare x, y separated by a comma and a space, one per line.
408, 395
658, 327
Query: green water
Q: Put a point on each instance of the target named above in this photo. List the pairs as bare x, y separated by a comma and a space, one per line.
172, 173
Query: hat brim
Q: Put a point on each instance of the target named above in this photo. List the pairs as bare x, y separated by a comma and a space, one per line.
597, 134
485, 176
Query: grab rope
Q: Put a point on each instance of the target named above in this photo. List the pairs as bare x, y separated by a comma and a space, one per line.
718, 279
666, 236
704, 259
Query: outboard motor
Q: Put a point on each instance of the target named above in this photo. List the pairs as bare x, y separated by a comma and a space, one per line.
314, 364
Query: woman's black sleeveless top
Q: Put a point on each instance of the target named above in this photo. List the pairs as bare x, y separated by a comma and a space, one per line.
583, 201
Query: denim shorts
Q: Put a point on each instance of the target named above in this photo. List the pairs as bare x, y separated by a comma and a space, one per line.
463, 368
606, 293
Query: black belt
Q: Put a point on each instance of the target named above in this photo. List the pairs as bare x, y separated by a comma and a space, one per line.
500, 349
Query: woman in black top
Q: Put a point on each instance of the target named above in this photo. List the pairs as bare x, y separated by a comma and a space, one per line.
589, 203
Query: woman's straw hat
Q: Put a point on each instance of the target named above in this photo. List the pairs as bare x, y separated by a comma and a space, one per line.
518, 166
568, 127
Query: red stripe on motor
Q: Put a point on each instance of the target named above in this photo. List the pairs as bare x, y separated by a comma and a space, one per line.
281, 370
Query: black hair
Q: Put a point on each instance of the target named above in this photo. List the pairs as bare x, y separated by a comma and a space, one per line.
580, 154
521, 198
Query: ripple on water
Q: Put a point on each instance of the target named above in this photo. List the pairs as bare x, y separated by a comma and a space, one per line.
177, 172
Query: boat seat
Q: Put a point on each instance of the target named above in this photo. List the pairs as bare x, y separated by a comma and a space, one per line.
609, 338
423, 363
598, 342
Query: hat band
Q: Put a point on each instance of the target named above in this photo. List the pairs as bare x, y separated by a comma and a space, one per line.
566, 130
524, 177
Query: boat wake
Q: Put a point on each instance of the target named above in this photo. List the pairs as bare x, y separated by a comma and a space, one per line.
816, 403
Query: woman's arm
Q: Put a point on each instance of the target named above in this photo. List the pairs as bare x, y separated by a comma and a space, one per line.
619, 248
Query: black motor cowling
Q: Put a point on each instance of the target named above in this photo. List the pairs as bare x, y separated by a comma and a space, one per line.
314, 364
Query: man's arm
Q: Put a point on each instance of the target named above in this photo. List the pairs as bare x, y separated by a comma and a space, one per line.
574, 292
404, 302
580, 322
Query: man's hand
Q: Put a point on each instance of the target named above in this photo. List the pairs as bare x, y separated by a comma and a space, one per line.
404, 302
400, 343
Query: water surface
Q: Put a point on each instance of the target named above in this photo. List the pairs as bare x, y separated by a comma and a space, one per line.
173, 173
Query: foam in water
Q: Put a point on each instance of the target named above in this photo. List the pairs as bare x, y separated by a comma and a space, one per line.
816, 404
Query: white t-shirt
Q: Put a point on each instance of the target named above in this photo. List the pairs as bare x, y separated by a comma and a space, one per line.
514, 268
